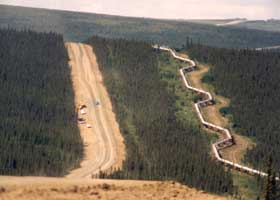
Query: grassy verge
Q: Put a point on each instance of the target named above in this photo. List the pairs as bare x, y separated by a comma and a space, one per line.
249, 187
169, 72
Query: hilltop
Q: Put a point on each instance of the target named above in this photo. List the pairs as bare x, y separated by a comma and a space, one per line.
80, 26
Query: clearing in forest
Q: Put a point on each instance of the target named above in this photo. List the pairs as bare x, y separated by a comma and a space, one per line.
212, 114
103, 143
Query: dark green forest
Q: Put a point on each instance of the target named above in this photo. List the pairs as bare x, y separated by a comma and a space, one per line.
163, 138
251, 80
38, 129
80, 26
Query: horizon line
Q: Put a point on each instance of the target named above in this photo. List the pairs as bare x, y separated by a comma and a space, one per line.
138, 17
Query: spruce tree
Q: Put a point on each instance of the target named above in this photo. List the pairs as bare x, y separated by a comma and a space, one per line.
271, 185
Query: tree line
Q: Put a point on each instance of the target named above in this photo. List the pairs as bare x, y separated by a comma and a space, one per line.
38, 129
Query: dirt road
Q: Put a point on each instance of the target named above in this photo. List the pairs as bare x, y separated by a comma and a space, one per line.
36, 188
268, 48
231, 23
103, 143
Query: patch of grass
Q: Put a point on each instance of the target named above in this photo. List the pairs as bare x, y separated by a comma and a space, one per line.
169, 70
249, 187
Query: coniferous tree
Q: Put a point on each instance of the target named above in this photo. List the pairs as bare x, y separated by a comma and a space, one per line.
38, 129
269, 186
164, 140
250, 79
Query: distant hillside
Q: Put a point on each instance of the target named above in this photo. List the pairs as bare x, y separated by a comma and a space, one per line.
270, 25
80, 26
214, 21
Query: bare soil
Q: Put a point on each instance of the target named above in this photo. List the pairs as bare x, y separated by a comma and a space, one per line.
104, 147
36, 188
213, 115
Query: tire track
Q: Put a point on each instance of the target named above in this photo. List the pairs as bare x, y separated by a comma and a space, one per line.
104, 113
107, 153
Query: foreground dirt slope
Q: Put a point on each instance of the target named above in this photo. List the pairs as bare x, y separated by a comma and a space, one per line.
103, 142
31, 188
